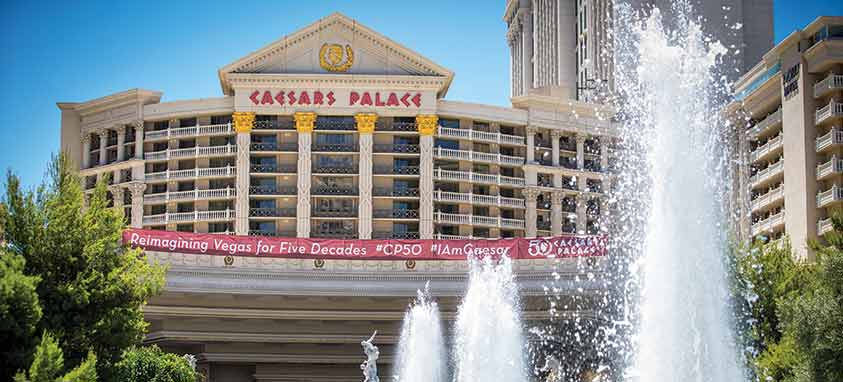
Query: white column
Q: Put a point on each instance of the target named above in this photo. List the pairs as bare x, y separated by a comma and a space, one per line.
137, 189
530, 213
604, 154
582, 217
304, 126
556, 212
426, 125
116, 195
103, 142
243, 127
581, 150
86, 149
121, 140
138, 139
365, 128
554, 142
531, 144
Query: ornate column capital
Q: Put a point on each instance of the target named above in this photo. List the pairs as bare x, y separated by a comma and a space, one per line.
532, 130
86, 137
556, 134
582, 197
243, 121
426, 123
556, 197
137, 189
304, 121
581, 138
365, 122
138, 124
120, 128
531, 194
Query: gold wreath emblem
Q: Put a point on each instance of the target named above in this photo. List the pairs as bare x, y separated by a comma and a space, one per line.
410, 264
331, 55
229, 260
318, 263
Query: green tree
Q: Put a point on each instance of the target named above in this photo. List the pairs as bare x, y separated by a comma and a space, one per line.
151, 364
49, 364
19, 314
92, 288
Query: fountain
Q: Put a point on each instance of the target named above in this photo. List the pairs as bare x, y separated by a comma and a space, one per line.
672, 99
422, 355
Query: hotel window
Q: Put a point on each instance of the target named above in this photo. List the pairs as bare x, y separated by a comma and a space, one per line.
220, 227
220, 119
187, 122
158, 209
184, 228
334, 139
449, 123
261, 203
187, 186
219, 205
447, 144
160, 125
481, 126
480, 232
185, 207
222, 141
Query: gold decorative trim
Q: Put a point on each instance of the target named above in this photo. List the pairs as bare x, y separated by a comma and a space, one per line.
365, 122
243, 121
331, 55
426, 124
304, 121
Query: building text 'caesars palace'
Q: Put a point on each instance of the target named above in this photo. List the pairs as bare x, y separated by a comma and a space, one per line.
338, 132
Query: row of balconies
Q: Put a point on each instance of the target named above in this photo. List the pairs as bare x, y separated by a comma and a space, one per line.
459, 197
771, 171
178, 217
832, 166
473, 177
183, 132
209, 172
477, 156
768, 198
478, 220
481, 136
772, 146
834, 194
768, 224
222, 193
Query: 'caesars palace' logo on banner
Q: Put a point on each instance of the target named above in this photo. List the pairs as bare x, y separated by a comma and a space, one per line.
331, 57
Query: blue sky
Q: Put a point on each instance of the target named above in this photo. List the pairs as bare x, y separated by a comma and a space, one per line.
75, 51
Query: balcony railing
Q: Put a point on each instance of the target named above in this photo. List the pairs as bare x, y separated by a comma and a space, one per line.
333, 234
274, 125
395, 170
177, 217
335, 125
395, 214
771, 146
832, 138
398, 126
192, 173
395, 235
467, 176
217, 129
272, 190
397, 148
834, 194
333, 190
221, 193
459, 197
833, 166
823, 226
334, 212
481, 136
199, 151
334, 147
833, 109
335, 169
269, 212
396, 192
768, 224
447, 218
274, 168
284, 147
774, 119
769, 197
258, 232
477, 156
828, 84
767, 173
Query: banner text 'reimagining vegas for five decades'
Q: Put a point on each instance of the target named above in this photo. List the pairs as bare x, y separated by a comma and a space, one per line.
514, 248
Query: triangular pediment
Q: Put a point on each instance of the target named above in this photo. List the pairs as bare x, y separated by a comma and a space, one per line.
335, 45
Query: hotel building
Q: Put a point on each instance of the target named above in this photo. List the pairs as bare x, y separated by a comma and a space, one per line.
791, 151
336, 131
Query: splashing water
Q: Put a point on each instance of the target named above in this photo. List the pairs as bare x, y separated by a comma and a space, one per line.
670, 116
421, 349
489, 340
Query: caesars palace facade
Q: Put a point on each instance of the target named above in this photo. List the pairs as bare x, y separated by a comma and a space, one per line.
338, 132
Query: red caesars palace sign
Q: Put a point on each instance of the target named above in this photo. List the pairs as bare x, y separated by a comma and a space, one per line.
329, 98
223, 245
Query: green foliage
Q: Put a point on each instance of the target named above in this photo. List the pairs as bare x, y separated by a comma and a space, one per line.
92, 288
151, 364
19, 314
49, 363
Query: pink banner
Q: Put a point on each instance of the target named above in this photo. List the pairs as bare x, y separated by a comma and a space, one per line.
258, 246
